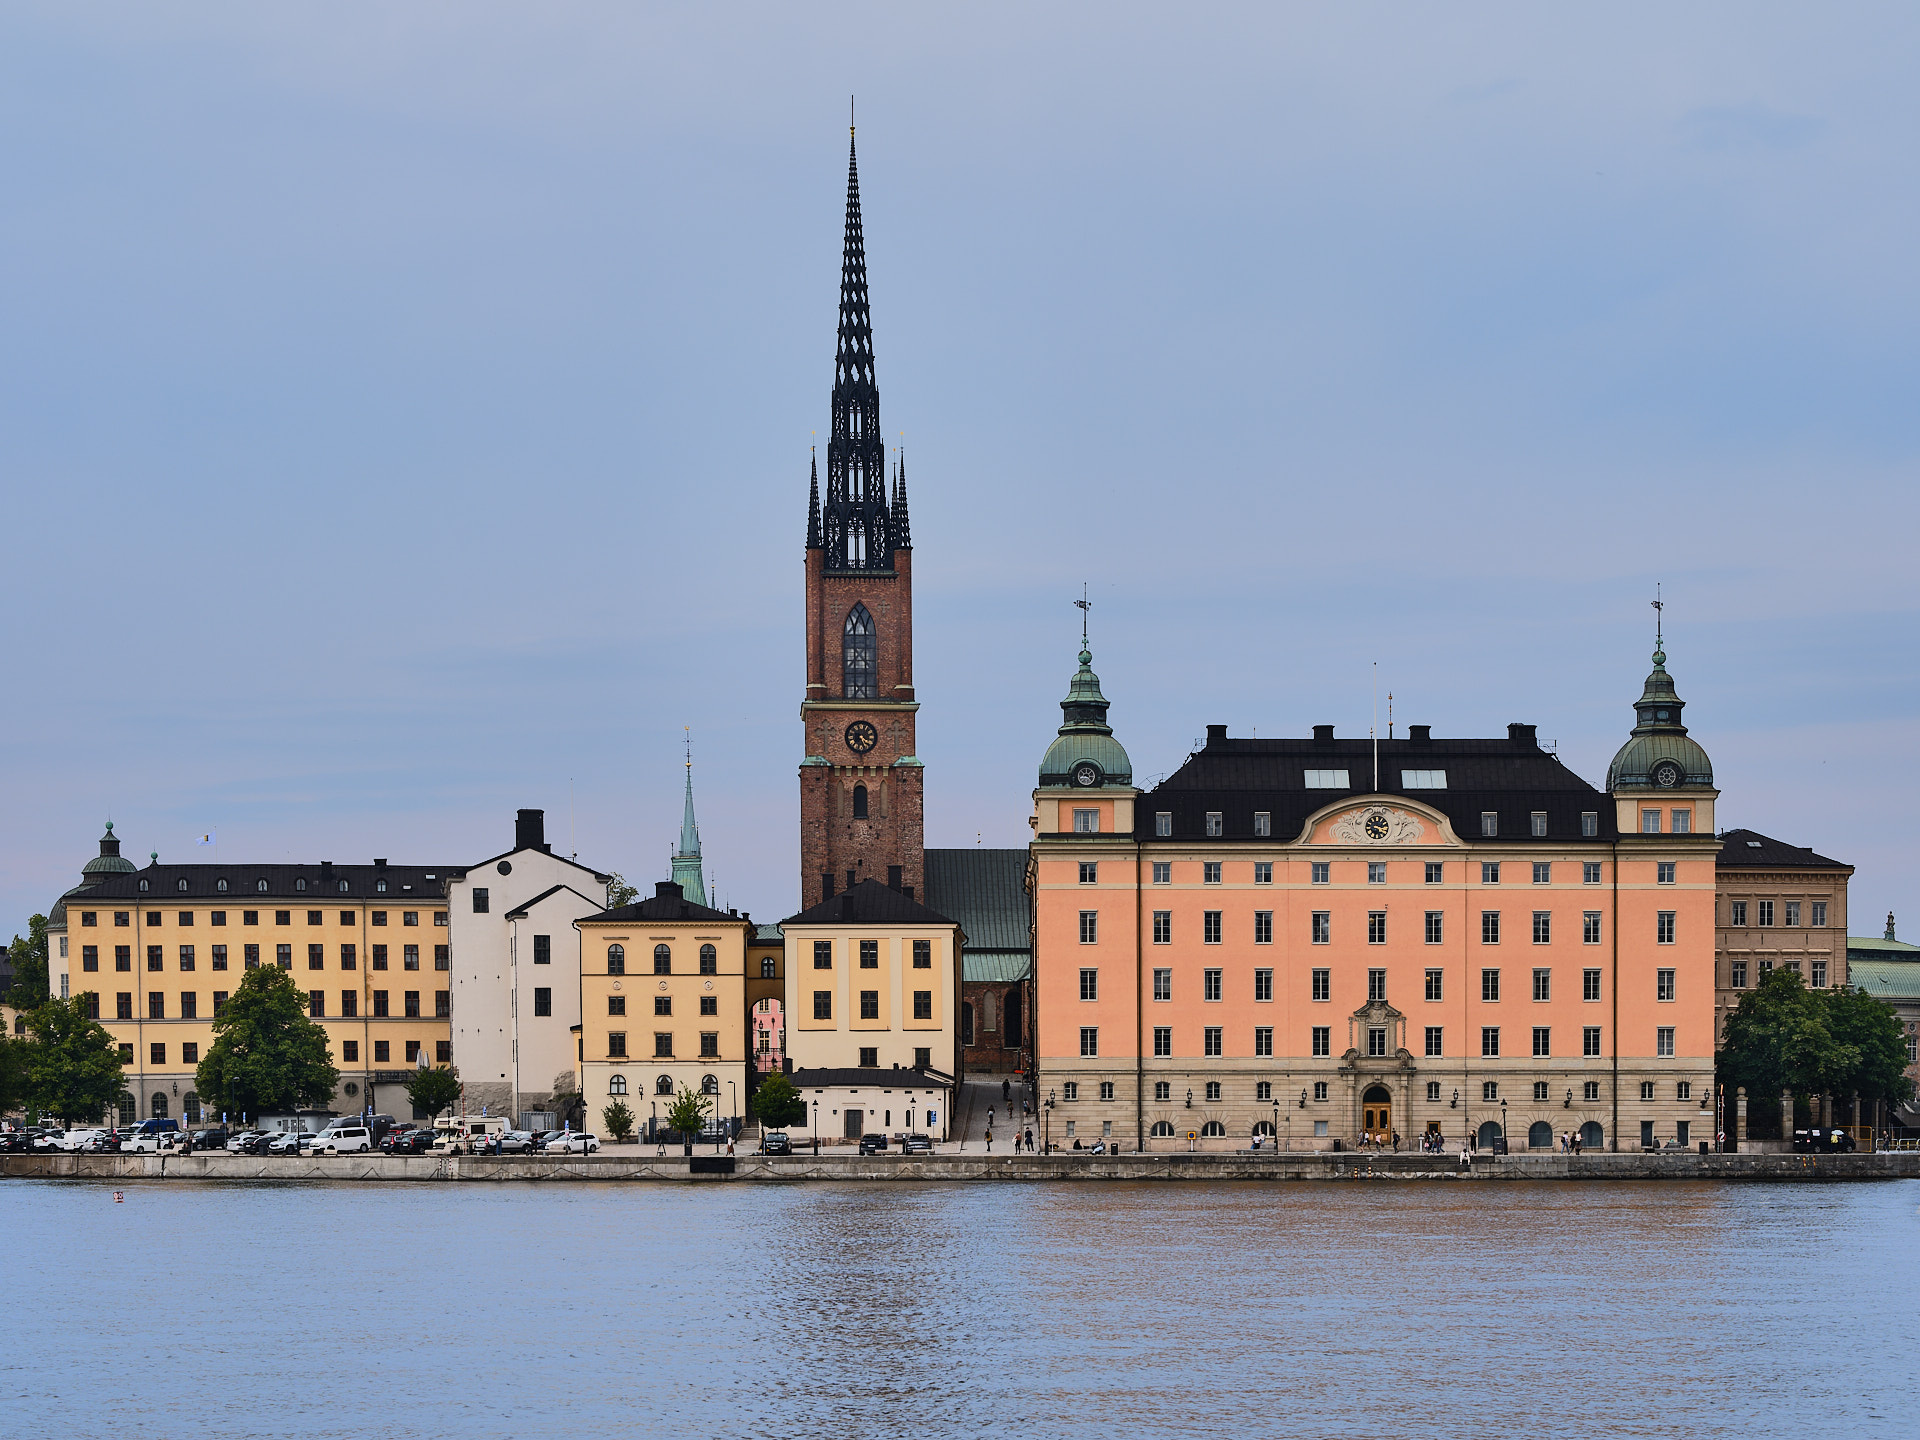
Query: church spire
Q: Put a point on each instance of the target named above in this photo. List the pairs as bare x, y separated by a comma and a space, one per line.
855, 524
686, 860
902, 534
813, 504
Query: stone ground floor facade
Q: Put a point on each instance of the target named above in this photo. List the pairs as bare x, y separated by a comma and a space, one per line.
1309, 1104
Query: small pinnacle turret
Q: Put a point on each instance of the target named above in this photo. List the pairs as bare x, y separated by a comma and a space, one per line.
686, 860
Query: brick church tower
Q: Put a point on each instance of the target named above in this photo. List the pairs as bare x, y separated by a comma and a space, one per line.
860, 783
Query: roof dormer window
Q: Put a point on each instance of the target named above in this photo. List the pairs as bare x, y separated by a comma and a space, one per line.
180, 884
261, 886
143, 887
221, 886
301, 883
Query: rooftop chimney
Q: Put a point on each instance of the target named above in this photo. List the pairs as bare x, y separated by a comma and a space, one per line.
1521, 734
1216, 732
1323, 734
1420, 734
380, 863
530, 830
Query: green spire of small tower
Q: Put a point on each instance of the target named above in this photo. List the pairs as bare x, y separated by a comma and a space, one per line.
686, 860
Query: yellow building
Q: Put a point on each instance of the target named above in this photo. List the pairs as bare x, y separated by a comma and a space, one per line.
663, 1005
158, 950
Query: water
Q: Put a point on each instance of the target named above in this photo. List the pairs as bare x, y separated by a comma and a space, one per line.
886, 1310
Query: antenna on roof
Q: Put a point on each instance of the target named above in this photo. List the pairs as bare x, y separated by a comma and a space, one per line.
1373, 730
1389, 714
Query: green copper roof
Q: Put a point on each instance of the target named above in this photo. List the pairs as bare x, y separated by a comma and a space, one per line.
1085, 734
686, 860
1658, 735
109, 861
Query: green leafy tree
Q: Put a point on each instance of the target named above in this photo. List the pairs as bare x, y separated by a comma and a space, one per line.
618, 891
688, 1113
73, 1065
1786, 1037
28, 957
267, 1055
619, 1120
434, 1090
1871, 1050
13, 1073
778, 1103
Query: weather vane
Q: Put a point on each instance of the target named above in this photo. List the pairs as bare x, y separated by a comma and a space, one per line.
1084, 605
1659, 606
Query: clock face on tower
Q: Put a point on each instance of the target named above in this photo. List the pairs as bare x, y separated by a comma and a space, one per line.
1086, 773
1377, 825
1666, 775
862, 737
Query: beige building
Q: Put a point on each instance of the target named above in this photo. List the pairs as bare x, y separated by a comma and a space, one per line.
873, 1004
1778, 905
663, 1006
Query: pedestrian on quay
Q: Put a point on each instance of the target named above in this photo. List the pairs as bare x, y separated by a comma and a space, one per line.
1006, 1089
1029, 1140
1396, 1142
989, 1139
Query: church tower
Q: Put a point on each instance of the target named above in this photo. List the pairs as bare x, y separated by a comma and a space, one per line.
860, 783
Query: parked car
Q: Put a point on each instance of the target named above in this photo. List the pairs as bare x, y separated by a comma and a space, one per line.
288, 1142
917, 1145
577, 1143
106, 1142
776, 1142
79, 1139
343, 1140
44, 1140
873, 1144
215, 1139
239, 1140
15, 1142
414, 1142
154, 1142
1822, 1140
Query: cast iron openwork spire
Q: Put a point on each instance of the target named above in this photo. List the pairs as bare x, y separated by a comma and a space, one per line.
856, 526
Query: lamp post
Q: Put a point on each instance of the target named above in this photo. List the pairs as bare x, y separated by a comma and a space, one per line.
1276, 1126
1046, 1127
1505, 1139
816, 1127
733, 1096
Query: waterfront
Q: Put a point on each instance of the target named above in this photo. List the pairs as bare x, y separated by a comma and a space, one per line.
875, 1309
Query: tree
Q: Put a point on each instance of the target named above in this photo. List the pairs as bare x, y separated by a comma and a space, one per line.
28, 957
73, 1066
1838, 1042
267, 1055
13, 1073
778, 1103
1871, 1047
618, 891
434, 1090
619, 1119
688, 1115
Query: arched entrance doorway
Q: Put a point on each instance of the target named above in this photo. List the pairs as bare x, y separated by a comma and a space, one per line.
1539, 1136
1376, 1112
1011, 1012
966, 1024
1592, 1137
1489, 1132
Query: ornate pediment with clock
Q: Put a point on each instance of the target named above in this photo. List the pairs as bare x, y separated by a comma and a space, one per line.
1380, 825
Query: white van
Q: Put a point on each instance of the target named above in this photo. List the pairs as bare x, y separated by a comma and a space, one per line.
467, 1136
344, 1140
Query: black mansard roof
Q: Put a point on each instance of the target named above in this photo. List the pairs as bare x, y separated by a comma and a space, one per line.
1514, 778
1749, 849
306, 884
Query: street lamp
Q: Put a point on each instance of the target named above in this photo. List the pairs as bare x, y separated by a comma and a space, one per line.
734, 1096
1504, 1137
1276, 1123
1303, 1099
1189, 1097
1046, 1127
816, 1127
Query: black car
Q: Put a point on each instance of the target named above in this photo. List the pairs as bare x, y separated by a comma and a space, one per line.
1822, 1141
256, 1144
917, 1145
210, 1139
15, 1142
412, 1142
776, 1142
873, 1144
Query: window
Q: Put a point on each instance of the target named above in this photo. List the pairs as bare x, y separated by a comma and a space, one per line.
380, 1010
1543, 984
1322, 1041
1489, 927
1539, 1090
1683, 822
154, 961
1590, 872
380, 918
1086, 822
616, 1084
1326, 780
1663, 1042
157, 1054
1089, 1041
1819, 914
1089, 872
709, 1050
1489, 985
1489, 872
923, 954
123, 1005
1070, 1090
349, 1004
1590, 1090
1323, 984
349, 957
89, 917
1089, 927
1162, 1042
439, 916
1663, 984
1589, 823
1543, 927
1319, 1093
662, 1005
1590, 1042
480, 900
1738, 976
1216, 823
1263, 822
89, 957
1793, 913
1089, 984
1210, 927
1436, 926
1434, 984
411, 1004
1542, 1042
1646, 1126
869, 954
316, 1004
1377, 1040
1539, 826
1322, 869
869, 1004
1376, 872
317, 958
616, 959
1163, 984
1766, 912
1263, 927
1664, 873
1663, 927
1490, 1040
823, 954
1210, 873
1590, 927
1322, 927
1210, 1039
283, 956
1262, 986
857, 677
1434, 872
1376, 985
1434, 1047
1433, 1089
1820, 974
1263, 1090
1649, 822
860, 802
1489, 822
1106, 1091
1376, 927
923, 1057
823, 1004
1163, 823
1210, 984
443, 958
123, 956
1683, 1090
1263, 872
1543, 872
662, 960
153, 919
1163, 872
1263, 1040
1423, 779
409, 957
543, 949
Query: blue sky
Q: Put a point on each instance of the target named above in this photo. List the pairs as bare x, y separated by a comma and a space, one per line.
404, 411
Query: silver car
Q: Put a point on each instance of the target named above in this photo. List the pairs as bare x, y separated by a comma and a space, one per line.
578, 1143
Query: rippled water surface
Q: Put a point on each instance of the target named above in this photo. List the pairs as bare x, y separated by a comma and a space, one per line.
883, 1310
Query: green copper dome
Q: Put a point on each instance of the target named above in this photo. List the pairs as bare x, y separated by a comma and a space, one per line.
109, 861
1085, 738
1661, 755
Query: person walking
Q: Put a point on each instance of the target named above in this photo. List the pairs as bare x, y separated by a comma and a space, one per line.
1006, 1089
1029, 1140
989, 1139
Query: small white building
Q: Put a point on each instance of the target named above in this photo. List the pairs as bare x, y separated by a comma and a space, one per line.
516, 969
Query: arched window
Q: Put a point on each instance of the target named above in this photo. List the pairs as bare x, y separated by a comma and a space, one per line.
662, 960
159, 1105
986, 1011
769, 968
709, 960
1263, 1127
858, 680
1592, 1136
1212, 1130
301, 883
221, 886
126, 1108
616, 959
709, 1085
1010, 1013
180, 885
1489, 1132
966, 1024
859, 802
192, 1108
343, 887
663, 1085
617, 1085
1539, 1136
144, 887
1162, 1130
259, 885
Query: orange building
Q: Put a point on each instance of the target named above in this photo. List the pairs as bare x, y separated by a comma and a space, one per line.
1322, 940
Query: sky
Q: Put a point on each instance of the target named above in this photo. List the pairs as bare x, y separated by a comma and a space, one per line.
405, 410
